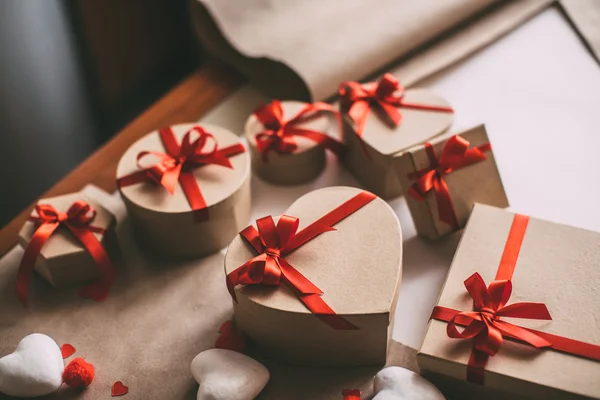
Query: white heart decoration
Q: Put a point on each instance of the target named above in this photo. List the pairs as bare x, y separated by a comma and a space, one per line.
228, 375
34, 369
396, 383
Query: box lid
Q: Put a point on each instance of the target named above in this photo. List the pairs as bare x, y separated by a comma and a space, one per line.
217, 183
416, 125
357, 266
320, 122
62, 242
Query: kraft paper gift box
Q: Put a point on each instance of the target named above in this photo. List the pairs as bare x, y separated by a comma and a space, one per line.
356, 266
445, 177
63, 260
551, 265
288, 139
382, 120
186, 188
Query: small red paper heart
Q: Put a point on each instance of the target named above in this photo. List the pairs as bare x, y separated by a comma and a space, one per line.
67, 350
230, 338
352, 394
118, 389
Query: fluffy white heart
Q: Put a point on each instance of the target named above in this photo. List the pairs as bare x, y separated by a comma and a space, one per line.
34, 369
395, 383
228, 375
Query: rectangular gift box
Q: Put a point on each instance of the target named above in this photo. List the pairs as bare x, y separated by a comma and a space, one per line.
556, 265
478, 182
63, 261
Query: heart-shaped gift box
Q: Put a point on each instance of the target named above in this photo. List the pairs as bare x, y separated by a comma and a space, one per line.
357, 266
374, 138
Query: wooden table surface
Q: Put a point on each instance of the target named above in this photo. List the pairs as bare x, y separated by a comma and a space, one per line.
187, 101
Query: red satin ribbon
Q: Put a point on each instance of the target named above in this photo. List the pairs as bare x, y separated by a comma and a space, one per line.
384, 97
279, 134
484, 324
273, 242
352, 394
77, 220
455, 155
179, 162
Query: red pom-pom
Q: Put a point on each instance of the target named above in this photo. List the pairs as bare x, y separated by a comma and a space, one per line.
79, 373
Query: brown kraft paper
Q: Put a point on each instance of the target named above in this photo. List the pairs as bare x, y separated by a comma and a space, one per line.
158, 317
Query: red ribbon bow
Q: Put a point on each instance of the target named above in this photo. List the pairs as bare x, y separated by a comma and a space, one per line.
77, 220
385, 97
279, 134
178, 163
273, 242
484, 324
456, 154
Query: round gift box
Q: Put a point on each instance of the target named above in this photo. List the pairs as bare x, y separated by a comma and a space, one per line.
305, 163
165, 222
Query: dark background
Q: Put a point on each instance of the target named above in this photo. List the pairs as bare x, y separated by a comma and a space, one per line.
72, 74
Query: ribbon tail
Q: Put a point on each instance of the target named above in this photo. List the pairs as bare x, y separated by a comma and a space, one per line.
99, 289
476, 366
446, 211
169, 179
29, 259
391, 113
194, 196
359, 112
133, 178
310, 295
319, 307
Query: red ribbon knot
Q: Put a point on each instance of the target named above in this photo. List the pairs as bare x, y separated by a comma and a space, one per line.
455, 155
273, 242
279, 134
177, 164
385, 97
77, 220
485, 326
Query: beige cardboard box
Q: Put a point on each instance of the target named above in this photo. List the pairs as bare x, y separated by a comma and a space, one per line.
370, 157
63, 260
302, 164
165, 222
358, 268
557, 265
476, 183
